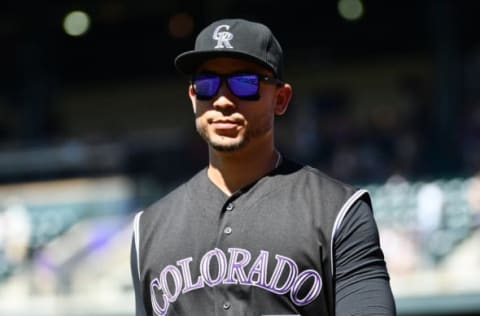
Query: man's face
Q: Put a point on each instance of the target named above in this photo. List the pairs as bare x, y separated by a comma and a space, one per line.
227, 122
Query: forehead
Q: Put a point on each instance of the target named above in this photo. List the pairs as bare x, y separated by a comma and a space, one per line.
225, 65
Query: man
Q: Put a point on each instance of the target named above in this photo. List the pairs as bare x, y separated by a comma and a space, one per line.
254, 233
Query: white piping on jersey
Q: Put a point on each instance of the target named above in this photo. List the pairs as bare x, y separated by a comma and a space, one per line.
338, 221
136, 236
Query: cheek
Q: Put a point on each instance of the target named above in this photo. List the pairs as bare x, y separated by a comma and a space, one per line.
265, 108
199, 108
261, 117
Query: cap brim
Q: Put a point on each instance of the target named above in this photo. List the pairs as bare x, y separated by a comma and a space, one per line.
188, 62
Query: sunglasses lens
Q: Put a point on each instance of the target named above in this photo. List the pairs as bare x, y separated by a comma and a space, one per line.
206, 86
244, 85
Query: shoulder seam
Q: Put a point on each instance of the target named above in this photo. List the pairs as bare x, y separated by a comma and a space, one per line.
325, 176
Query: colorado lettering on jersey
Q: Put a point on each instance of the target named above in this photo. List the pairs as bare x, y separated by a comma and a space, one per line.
232, 271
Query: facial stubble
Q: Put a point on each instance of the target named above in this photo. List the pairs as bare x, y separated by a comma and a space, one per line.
264, 126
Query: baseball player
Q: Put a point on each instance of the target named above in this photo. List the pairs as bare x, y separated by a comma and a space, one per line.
254, 233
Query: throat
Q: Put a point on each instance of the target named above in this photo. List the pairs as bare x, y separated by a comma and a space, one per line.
230, 175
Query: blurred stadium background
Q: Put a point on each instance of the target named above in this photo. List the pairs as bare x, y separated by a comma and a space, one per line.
95, 124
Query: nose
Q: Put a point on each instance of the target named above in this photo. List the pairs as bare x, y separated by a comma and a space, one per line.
224, 97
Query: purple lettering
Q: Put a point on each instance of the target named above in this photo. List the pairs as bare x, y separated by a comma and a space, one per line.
187, 276
159, 310
236, 266
259, 269
279, 271
177, 280
303, 287
205, 267
314, 290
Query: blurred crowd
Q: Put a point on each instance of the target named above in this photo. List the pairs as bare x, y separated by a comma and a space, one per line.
385, 142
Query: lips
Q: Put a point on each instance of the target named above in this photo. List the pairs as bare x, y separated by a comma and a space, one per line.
225, 124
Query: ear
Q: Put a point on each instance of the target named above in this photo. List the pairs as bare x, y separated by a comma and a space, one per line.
191, 95
284, 94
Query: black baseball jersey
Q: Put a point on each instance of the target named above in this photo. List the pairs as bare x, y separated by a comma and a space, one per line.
275, 247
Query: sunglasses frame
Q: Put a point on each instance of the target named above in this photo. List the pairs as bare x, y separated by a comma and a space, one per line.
224, 78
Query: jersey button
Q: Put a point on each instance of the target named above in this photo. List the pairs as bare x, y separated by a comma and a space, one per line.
230, 207
226, 305
228, 230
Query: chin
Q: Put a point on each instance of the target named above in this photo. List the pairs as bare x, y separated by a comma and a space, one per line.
227, 146
223, 143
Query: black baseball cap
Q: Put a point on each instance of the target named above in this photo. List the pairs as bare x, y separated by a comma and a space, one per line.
237, 38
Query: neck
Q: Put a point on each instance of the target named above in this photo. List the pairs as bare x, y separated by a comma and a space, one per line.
230, 171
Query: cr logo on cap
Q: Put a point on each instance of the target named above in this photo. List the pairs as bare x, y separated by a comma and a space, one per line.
223, 38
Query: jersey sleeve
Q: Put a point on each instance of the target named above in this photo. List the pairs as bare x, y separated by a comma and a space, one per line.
362, 282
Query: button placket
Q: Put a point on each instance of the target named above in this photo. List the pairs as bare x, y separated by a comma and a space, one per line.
230, 207
227, 230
